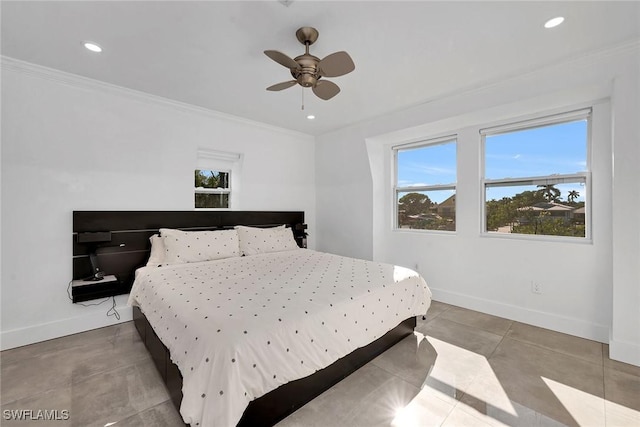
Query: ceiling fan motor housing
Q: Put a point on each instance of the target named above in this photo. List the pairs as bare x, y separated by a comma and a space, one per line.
307, 75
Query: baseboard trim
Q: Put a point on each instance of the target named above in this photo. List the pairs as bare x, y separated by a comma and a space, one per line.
60, 328
554, 322
624, 352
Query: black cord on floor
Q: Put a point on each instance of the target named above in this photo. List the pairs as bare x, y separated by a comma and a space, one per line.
113, 307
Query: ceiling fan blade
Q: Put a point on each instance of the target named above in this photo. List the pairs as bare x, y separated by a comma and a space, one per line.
282, 59
325, 89
336, 64
283, 85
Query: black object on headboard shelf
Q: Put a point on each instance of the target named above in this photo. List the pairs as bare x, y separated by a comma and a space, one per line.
130, 231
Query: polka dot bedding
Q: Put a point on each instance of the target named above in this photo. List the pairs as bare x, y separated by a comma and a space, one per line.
240, 327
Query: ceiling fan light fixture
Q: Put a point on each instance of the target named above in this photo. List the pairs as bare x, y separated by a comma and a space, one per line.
92, 46
554, 22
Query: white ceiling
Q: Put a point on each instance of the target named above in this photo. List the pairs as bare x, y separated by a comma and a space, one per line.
209, 53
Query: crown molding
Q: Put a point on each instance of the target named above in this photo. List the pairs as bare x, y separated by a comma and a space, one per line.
39, 71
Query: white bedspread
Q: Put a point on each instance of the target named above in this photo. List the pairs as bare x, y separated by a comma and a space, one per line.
240, 327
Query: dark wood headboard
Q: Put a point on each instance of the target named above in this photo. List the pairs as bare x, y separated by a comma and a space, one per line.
129, 245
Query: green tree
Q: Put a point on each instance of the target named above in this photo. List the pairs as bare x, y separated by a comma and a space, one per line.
520, 213
414, 204
211, 179
549, 192
500, 213
201, 179
528, 198
572, 196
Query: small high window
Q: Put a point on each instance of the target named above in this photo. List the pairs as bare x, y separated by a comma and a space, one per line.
212, 189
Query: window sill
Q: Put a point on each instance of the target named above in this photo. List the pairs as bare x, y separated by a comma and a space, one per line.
423, 231
537, 238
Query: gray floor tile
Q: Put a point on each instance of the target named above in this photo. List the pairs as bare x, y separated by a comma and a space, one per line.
469, 338
102, 398
369, 395
63, 366
397, 403
621, 416
573, 346
487, 322
620, 366
424, 410
412, 359
458, 418
78, 342
563, 388
163, 415
372, 398
622, 388
488, 400
434, 365
435, 309
460, 368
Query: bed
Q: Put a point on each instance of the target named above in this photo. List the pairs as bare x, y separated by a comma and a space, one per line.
248, 339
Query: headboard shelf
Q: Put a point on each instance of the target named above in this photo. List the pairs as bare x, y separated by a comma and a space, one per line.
129, 231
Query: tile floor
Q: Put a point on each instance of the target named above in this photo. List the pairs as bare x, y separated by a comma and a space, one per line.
460, 368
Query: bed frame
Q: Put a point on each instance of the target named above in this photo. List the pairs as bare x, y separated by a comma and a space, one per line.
129, 249
286, 399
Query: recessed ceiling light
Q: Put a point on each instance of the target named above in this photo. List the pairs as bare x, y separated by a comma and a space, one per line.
311, 117
554, 22
93, 47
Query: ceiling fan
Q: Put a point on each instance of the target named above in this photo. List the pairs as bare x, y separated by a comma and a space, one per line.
308, 70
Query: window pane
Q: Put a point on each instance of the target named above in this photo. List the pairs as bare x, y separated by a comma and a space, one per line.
211, 179
429, 165
427, 210
553, 210
212, 200
547, 150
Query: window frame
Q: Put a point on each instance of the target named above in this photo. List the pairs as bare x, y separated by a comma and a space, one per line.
422, 143
219, 161
552, 179
202, 190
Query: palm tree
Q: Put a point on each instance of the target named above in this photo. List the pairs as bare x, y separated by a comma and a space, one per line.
572, 196
549, 192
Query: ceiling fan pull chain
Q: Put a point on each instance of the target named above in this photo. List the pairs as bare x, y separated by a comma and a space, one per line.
302, 98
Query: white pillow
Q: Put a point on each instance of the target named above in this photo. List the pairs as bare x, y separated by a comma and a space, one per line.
193, 246
255, 240
156, 258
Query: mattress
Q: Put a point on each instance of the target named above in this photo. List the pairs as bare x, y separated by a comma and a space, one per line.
240, 327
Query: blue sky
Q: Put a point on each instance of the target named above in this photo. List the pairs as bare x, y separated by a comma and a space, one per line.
556, 149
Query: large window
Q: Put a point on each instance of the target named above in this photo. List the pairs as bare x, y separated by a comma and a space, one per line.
536, 176
425, 187
212, 189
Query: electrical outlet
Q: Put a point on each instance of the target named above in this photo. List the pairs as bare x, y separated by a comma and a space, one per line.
536, 287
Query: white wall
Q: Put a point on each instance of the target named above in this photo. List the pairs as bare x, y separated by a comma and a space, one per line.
625, 338
590, 290
69, 143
